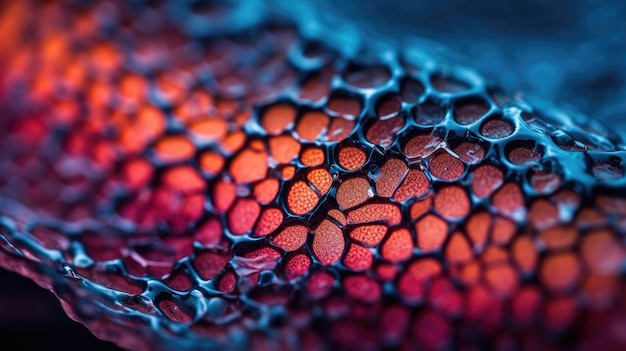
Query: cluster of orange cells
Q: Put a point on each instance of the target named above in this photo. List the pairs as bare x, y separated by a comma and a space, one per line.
262, 188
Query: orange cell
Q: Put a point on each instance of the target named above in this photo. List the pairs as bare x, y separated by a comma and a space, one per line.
375, 212
502, 278
301, 199
149, 122
351, 158
431, 232
470, 153
602, 252
458, 249
445, 166
211, 162
509, 200
278, 117
172, 87
266, 190
370, 235
233, 142
338, 216
291, 238
328, 242
477, 228
452, 202
423, 145
311, 124
243, 215
559, 237
284, 148
137, 172
223, 195
209, 129
398, 246
525, 253
412, 282
287, 172
312, 157
249, 166
415, 184
560, 272
184, 179
391, 175
197, 105
353, 192
320, 179
358, 258
174, 148
420, 207
132, 87
502, 231
271, 219
486, 179
467, 273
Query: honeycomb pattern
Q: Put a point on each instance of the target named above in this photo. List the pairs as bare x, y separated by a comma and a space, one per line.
239, 184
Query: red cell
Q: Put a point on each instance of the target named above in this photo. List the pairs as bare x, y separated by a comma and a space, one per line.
451, 202
243, 215
291, 238
446, 166
391, 174
353, 192
328, 243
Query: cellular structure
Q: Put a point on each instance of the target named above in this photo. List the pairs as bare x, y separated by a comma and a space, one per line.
187, 175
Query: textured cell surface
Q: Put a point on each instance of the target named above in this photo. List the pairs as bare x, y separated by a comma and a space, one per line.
245, 182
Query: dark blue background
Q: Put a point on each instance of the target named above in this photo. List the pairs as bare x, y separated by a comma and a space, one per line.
572, 52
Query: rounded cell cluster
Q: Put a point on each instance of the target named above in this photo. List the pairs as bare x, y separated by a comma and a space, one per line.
188, 175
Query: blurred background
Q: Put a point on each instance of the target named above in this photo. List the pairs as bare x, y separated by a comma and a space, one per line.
569, 51
572, 52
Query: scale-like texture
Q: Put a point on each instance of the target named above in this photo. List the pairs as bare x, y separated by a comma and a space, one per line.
184, 177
